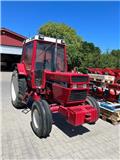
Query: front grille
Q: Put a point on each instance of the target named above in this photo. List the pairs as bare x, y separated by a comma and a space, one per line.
79, 78
78, 95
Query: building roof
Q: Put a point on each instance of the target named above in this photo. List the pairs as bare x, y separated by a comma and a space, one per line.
9, 31
10, 38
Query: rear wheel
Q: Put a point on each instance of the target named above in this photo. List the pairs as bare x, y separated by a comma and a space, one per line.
18, 89
91, 101
41, 118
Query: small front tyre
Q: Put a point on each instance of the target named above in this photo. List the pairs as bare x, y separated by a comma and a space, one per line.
92, 101
41, 116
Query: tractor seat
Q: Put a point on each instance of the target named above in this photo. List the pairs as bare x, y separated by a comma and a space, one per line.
39, 66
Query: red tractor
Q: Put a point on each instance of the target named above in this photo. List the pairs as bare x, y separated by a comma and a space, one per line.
42, 83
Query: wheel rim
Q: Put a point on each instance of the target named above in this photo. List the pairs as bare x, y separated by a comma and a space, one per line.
35, 118
13, 93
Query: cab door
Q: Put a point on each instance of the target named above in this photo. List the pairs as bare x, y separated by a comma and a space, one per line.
44, 54
27, 60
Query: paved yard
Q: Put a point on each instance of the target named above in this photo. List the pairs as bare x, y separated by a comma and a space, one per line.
100, 141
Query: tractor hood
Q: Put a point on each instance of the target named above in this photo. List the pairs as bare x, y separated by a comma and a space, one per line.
68, 77
67, 88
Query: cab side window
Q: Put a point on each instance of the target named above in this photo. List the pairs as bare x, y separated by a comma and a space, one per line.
40, 55
60, 66
28, 55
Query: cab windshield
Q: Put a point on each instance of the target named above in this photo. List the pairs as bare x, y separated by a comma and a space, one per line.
46, 59
45, 56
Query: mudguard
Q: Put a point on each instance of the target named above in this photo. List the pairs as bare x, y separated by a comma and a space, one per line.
21, 69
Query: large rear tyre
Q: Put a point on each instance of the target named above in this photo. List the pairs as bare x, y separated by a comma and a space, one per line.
41, 116
91, 101
18, 89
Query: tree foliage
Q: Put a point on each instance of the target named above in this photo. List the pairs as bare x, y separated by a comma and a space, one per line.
80, 53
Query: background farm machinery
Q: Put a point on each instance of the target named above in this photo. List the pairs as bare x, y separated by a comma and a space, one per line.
105, 87
105, 84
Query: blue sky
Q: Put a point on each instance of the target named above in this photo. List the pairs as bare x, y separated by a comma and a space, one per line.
97, 22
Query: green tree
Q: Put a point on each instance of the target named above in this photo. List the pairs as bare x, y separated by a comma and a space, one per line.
116, 55
89, 55
107, 61
80, 53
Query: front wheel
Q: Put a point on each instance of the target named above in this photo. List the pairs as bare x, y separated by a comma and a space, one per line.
18, 89
91, 101
41, 118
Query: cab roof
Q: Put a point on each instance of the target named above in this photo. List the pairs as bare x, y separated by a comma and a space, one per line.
44, 38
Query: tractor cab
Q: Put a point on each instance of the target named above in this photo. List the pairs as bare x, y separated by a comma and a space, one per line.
43, 53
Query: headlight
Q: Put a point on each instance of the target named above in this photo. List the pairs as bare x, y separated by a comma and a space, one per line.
74, 85
84, 85
78, 86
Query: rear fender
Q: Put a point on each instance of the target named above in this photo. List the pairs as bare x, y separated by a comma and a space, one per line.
21, 69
